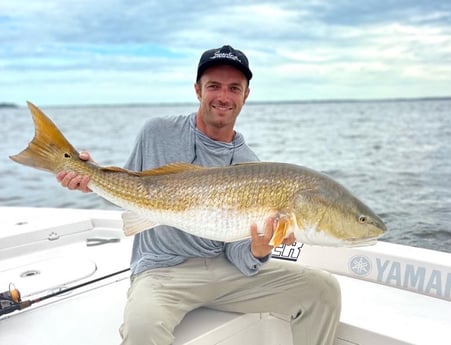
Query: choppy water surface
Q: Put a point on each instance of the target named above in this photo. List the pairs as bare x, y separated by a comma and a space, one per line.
394, 155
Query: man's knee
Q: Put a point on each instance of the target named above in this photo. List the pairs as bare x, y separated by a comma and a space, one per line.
150, 328
322, 289
331, 293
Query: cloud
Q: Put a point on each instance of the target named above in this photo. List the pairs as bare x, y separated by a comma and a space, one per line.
149, 49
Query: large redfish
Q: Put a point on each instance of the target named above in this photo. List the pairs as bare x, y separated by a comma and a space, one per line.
217, 203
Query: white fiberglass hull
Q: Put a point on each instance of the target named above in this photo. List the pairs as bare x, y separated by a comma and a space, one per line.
392, 294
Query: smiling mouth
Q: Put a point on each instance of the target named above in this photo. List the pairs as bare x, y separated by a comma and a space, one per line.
222, 108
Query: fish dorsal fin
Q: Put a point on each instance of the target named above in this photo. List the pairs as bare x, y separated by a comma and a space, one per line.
247, 163
173, 168
119, 170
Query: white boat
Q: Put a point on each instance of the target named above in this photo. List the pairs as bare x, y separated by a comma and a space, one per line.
392, 294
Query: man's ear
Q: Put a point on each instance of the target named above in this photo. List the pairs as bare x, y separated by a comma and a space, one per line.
198, 90
246, 94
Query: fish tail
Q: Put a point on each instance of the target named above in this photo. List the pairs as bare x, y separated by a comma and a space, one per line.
49, 148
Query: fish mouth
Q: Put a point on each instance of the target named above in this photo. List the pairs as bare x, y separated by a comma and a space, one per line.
362, 242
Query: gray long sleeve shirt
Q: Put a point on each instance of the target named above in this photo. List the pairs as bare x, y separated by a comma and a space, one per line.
176, 139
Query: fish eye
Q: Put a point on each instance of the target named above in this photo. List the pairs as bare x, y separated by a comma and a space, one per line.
363, 219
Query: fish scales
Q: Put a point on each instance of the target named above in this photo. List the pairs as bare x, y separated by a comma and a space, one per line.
242, 187
226, 201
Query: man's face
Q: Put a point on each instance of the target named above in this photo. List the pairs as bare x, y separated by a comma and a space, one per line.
222, 91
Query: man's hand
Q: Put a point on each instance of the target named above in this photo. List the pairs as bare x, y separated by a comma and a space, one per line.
260, 246
73, 181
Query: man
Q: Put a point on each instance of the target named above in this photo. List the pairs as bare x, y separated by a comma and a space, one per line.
174, 272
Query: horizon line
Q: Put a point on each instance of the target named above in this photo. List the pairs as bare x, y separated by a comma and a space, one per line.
294, 101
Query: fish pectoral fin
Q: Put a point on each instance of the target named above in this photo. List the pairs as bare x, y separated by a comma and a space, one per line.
280, 233
134, 223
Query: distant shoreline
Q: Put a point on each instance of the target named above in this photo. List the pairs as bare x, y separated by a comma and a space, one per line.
8, 105
170, 104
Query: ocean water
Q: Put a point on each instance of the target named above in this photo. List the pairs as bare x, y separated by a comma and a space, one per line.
394, 155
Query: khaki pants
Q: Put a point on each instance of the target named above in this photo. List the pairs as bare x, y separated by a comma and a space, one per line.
158, 299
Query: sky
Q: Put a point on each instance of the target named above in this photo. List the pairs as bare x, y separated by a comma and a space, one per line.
61, 52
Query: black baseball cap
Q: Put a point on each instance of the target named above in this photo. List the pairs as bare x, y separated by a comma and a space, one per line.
225, 55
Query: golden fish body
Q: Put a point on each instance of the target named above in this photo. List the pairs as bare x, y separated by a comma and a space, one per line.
216, 203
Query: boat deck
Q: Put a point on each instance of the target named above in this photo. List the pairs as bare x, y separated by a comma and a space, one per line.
53, 243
